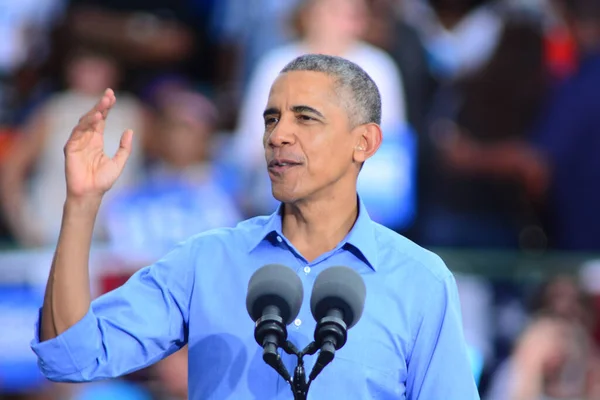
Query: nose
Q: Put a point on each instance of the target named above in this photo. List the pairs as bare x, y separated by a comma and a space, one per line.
281, 134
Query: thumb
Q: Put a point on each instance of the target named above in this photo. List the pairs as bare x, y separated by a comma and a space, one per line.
124, 150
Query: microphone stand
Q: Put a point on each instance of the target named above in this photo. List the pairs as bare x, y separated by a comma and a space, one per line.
330, 335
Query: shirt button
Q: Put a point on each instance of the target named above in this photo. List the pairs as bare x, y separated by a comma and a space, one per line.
279, 239
297, 322
307, 270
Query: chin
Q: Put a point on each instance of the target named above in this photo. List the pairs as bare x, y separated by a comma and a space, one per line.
285, 195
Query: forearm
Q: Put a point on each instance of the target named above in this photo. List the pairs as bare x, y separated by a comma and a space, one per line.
68, 296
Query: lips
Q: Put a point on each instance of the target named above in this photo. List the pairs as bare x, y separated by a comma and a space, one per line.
280, 165
283, 162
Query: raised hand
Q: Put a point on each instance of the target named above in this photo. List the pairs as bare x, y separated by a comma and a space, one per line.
89, 171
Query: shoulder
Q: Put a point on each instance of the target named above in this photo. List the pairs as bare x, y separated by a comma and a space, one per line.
402, 255
234, 238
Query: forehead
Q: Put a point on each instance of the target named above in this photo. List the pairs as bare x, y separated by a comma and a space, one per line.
315, 89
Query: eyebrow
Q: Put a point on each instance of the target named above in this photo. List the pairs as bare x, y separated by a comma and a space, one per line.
296, 109
302, 108
271, 111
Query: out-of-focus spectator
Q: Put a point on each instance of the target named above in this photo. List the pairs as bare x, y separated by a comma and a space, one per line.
147, 37
185, 191
332, 27
390, 29
569, 142
555, 356
460, 35
33, 188
464, 203
244, 31
25, 28
562, 162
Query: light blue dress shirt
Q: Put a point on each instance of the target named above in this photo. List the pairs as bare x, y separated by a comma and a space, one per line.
409, 343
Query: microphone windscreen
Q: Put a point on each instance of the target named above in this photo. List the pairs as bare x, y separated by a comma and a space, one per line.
341, 288
275, 285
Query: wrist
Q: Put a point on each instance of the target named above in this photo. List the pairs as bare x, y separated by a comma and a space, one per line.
82, 205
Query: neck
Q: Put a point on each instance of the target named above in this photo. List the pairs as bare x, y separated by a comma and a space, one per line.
316, 227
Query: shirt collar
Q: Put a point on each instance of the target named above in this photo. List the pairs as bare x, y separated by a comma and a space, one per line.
361, 237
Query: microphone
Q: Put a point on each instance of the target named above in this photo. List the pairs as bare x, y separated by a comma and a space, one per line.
337, 303
274, 298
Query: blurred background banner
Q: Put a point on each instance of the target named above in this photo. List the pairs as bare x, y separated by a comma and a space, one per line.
491, 125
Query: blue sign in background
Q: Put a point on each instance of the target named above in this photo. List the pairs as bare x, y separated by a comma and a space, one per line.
19, 305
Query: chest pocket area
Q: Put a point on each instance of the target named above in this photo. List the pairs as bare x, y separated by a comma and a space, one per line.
378, 368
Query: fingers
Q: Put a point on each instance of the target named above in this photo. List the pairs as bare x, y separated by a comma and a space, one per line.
103, 105
98, 113
124, 150
106, 102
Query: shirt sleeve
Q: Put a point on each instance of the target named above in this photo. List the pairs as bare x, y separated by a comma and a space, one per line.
439, 366
126, 329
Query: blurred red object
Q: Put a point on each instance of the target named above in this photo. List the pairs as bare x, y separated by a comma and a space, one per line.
110, 282
114, 273
7, 137
561, 53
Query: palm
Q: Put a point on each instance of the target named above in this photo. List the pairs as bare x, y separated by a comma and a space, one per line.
89, 171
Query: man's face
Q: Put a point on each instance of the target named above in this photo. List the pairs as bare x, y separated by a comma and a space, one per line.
308, 138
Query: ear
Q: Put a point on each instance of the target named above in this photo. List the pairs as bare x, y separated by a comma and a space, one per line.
368, 140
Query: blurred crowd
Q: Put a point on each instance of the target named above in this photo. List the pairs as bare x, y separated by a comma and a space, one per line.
490, 141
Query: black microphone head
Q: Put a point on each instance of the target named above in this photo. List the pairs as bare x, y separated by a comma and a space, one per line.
275, 285
341, 288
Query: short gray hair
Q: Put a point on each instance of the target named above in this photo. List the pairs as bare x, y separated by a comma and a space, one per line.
364, 102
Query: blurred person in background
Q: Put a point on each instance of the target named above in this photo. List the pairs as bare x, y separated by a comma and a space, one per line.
147, 37
460, 36
496, 103
333, 27
567, 140
555, 356
25, 29
244, 31
32, 185
491, 89
391, 30
185, 190
558, 161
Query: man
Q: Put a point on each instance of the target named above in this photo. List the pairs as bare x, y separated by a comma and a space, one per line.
321, 124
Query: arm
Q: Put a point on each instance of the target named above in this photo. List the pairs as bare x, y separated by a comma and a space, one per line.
89, 174
119, 332
22, 157
439, 367
513, 160
127, 329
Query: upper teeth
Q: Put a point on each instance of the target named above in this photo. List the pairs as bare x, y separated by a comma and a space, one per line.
283, 164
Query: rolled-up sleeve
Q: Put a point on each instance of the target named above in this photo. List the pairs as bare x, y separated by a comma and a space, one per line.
439, 366
126, 329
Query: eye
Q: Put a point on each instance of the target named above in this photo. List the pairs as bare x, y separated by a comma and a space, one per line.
269, 121
305, 118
